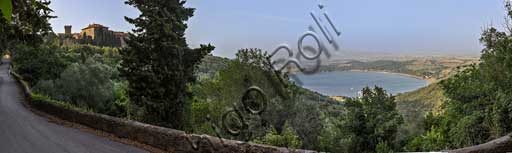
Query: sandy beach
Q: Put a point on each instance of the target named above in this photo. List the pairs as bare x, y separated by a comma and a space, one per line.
429, 81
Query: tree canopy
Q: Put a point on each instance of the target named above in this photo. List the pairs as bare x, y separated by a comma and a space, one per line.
158, 64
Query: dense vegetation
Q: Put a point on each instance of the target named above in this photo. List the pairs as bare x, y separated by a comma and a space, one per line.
158, 64
26, 24
310, 120
478, 105
225, 91
158, 79
415, 105
370, 124
88, 79
85, 76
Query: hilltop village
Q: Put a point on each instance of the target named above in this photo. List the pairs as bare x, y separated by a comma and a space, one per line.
94, 34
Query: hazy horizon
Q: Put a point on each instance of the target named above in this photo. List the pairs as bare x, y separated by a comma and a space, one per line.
381, 27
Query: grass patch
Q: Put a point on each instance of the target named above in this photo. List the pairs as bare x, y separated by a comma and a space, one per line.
38, 98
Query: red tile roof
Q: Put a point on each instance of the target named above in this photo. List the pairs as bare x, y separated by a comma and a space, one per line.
94, 25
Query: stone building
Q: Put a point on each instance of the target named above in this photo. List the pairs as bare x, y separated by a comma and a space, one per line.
95, 34
67, 30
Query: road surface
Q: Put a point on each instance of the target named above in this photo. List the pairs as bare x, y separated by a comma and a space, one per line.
21, 131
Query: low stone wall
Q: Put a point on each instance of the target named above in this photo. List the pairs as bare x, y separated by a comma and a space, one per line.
500, 145
163, 138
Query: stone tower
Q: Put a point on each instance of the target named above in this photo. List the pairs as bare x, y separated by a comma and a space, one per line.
67, 30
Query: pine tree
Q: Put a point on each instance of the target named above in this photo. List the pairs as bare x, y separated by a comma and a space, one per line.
158, 63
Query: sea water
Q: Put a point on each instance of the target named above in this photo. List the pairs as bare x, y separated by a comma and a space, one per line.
349, 83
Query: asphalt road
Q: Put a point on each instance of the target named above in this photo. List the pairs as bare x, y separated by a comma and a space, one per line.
22, 131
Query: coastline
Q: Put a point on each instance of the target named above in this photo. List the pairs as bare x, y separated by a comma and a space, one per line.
429, 81
343, 98
339, 98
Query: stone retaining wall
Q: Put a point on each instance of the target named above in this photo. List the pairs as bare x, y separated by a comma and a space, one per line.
500, 145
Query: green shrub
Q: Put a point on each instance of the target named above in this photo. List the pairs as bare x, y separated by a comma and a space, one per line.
121, 106
383, 147
200, 111
470, 131
83, 84
433, 140
368, 120
288, 138
36, 64
38, 98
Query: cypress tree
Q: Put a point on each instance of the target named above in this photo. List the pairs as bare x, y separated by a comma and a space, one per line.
158, 63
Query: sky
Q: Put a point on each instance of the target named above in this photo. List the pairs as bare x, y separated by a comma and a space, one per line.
375, 26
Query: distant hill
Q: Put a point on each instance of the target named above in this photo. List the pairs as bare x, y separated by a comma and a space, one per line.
210, 65
426, 68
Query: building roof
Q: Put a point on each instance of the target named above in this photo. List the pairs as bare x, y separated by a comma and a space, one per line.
94, 25
120, 34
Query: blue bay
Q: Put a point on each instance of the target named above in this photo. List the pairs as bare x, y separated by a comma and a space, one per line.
348, 83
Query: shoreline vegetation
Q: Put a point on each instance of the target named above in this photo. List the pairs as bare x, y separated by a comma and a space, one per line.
428, 79
430, 69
